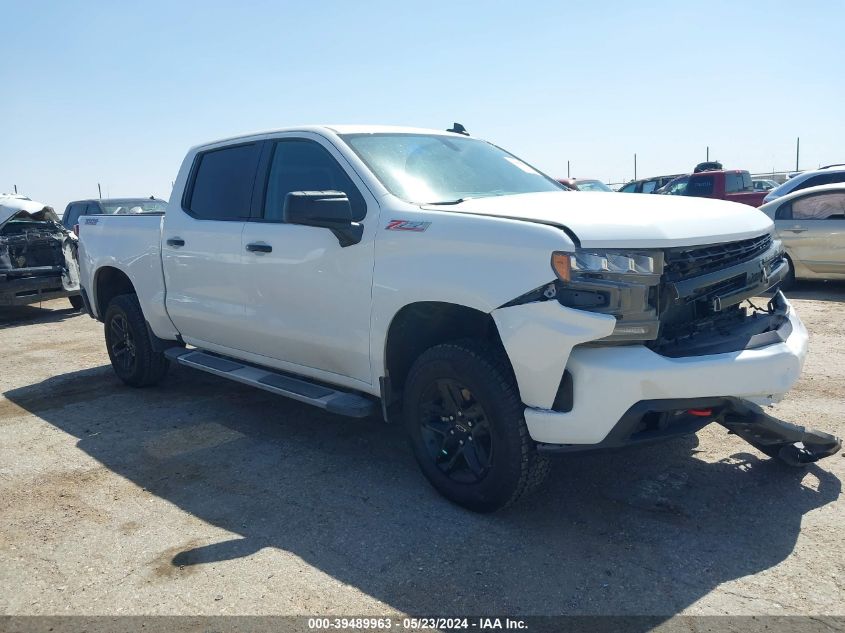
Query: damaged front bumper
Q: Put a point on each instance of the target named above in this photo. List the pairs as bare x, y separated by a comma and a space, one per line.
25, 286
629, 394
651, 421
545, 342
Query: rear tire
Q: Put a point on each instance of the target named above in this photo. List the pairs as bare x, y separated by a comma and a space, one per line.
465, 422
131, 351
76, 302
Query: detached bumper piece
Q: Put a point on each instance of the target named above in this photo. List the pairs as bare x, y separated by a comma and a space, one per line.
792, 444
651, 421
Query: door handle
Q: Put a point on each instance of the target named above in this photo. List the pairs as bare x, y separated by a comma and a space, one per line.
175, 242
258, 247
797, 229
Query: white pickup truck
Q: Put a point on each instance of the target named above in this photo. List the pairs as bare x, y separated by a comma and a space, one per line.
499, 316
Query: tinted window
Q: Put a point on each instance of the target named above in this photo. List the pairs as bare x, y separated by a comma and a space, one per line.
784, 212
306, 166
736, 182
699, 186
71, 215
223, 181
821, 179
677, 187
649, 186
822, 206
631, 187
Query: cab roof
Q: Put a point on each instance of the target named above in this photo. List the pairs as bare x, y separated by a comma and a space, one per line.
334, 129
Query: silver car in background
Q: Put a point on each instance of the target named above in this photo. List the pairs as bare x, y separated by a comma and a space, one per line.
814, 178
811, 224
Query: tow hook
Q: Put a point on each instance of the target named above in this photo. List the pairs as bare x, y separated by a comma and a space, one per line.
792, 444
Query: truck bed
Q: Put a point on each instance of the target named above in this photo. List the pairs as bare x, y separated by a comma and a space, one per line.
128, 244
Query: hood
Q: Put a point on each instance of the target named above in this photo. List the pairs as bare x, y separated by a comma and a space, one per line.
18, 206
626, 220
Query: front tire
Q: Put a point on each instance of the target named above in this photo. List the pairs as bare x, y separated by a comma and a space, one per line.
131, 351
76, 302
466, 426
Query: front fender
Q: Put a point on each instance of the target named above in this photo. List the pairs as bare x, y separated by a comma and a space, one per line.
478, 262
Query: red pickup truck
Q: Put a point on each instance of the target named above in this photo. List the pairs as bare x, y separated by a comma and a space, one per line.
726, 184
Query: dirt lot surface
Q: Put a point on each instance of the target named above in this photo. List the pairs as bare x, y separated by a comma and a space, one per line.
202, 496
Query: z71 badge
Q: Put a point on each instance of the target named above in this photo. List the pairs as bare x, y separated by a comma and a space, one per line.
407, 225
91, 220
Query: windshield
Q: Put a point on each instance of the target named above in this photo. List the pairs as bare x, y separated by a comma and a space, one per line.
591, 185
677, 187
125, 207
430, 168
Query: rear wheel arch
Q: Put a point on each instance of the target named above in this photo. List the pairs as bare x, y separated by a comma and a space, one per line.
110, 282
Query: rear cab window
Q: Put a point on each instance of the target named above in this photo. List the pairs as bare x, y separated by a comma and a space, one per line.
700, 185
738, 182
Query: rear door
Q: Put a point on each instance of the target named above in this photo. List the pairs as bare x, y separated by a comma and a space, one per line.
309, 298
812, 228
201, 247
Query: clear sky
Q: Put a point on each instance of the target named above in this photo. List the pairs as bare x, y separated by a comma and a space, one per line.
114, 92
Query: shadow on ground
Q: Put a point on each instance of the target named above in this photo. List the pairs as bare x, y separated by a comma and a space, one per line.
14, 316
817, 290
645, 531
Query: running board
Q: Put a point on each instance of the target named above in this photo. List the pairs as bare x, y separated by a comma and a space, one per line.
333, 401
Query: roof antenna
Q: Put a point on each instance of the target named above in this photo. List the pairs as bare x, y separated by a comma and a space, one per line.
457, 128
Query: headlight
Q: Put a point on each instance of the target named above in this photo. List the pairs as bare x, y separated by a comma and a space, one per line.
622, 283
566, 265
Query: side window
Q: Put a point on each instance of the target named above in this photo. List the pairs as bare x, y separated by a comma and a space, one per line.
69, 218
222, 182
677, 187
784, 212
733, 182
300, 165
649, 186
821, 179
631, 187
822, 206
699, 186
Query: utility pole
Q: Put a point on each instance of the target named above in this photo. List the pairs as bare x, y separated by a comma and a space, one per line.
797, 151
708, 154
16, 188
567, 169
99, 189
635, 166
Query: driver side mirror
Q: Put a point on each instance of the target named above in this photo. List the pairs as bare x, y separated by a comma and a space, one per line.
325, 209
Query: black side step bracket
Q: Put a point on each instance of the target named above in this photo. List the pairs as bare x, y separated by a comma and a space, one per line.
332, 400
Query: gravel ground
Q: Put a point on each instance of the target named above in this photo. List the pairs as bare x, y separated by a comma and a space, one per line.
202, 496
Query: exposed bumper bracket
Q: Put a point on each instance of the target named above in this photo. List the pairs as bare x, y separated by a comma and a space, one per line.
793, 444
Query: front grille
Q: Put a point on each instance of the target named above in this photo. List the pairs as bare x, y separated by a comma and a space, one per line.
701, 292
684, 263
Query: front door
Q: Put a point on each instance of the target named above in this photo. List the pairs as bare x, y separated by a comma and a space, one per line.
309, 298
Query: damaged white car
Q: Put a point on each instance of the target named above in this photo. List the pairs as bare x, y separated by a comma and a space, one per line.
38, 258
